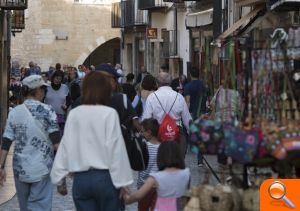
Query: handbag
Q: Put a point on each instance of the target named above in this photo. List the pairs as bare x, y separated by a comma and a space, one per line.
290, 137
273, 142
136, 146
137, 151
139, 107
208, 136
241, 145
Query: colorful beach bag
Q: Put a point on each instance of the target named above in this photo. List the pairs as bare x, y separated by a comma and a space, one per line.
241, 145
208, 136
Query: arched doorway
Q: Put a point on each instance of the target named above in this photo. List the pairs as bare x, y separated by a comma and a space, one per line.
108, 52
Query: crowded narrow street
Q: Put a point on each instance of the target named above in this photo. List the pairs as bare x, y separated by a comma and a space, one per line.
65, 203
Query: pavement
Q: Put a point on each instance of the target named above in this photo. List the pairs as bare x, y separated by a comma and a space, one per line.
65, 203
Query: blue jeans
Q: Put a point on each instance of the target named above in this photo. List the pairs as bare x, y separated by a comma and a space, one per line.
35, 196
93, 190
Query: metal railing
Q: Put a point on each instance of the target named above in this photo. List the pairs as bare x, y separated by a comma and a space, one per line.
151, 4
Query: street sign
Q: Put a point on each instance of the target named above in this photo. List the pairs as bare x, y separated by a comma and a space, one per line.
152, 33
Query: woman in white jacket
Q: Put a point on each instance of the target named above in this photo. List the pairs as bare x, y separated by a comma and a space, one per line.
93, 149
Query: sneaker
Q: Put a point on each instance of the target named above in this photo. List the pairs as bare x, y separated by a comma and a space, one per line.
200, 164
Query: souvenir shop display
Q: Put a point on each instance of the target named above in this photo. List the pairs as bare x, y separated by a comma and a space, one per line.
267, 131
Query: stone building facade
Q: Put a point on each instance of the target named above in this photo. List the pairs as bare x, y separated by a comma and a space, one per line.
67, 31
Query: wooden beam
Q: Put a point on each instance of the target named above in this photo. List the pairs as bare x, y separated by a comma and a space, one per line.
240, 22
4, 47
243, 3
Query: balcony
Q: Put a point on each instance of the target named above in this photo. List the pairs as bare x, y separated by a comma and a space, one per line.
116, 14
152, 5
13, 4
132, 16
169, 43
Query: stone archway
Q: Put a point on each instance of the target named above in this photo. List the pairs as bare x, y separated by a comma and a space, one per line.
108, 52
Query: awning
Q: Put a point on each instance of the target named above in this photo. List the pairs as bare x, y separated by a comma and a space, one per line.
240, 22
197, 19
286, 4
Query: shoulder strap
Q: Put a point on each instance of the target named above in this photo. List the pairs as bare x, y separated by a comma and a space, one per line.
173, 103
163, 107
159, 103
199, 105
37, 122
125, 101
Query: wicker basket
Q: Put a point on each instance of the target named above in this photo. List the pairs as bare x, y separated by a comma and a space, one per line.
194, 202
216, 198
237, 198
205, 192
251, 199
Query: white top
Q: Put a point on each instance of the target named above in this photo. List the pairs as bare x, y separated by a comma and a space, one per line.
172, 184
167, 97
93, 139
57, 98
120, 79
81, 74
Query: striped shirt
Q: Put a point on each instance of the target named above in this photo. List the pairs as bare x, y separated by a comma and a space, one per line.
152, 165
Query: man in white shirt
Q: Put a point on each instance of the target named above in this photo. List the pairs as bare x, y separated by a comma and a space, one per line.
179, 112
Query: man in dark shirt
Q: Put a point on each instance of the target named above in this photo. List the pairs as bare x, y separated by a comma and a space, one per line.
128, 87
195, 95
141, 75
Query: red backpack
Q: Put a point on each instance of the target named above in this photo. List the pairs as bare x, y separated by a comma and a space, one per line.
168, 129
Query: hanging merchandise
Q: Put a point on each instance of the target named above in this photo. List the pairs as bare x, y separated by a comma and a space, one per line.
207, 136
290, 135
293, 42
278, 44
290, 138
240, 145
208, 74
274, 145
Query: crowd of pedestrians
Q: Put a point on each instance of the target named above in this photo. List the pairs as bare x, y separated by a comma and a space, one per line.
71, 121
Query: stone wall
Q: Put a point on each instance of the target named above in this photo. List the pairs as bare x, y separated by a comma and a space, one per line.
62, 31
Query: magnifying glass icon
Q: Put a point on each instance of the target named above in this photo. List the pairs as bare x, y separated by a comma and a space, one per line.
277, 191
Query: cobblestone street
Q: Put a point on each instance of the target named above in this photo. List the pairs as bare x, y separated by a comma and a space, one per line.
65, 203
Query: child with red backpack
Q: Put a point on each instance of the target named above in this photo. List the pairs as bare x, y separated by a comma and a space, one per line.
150, 133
